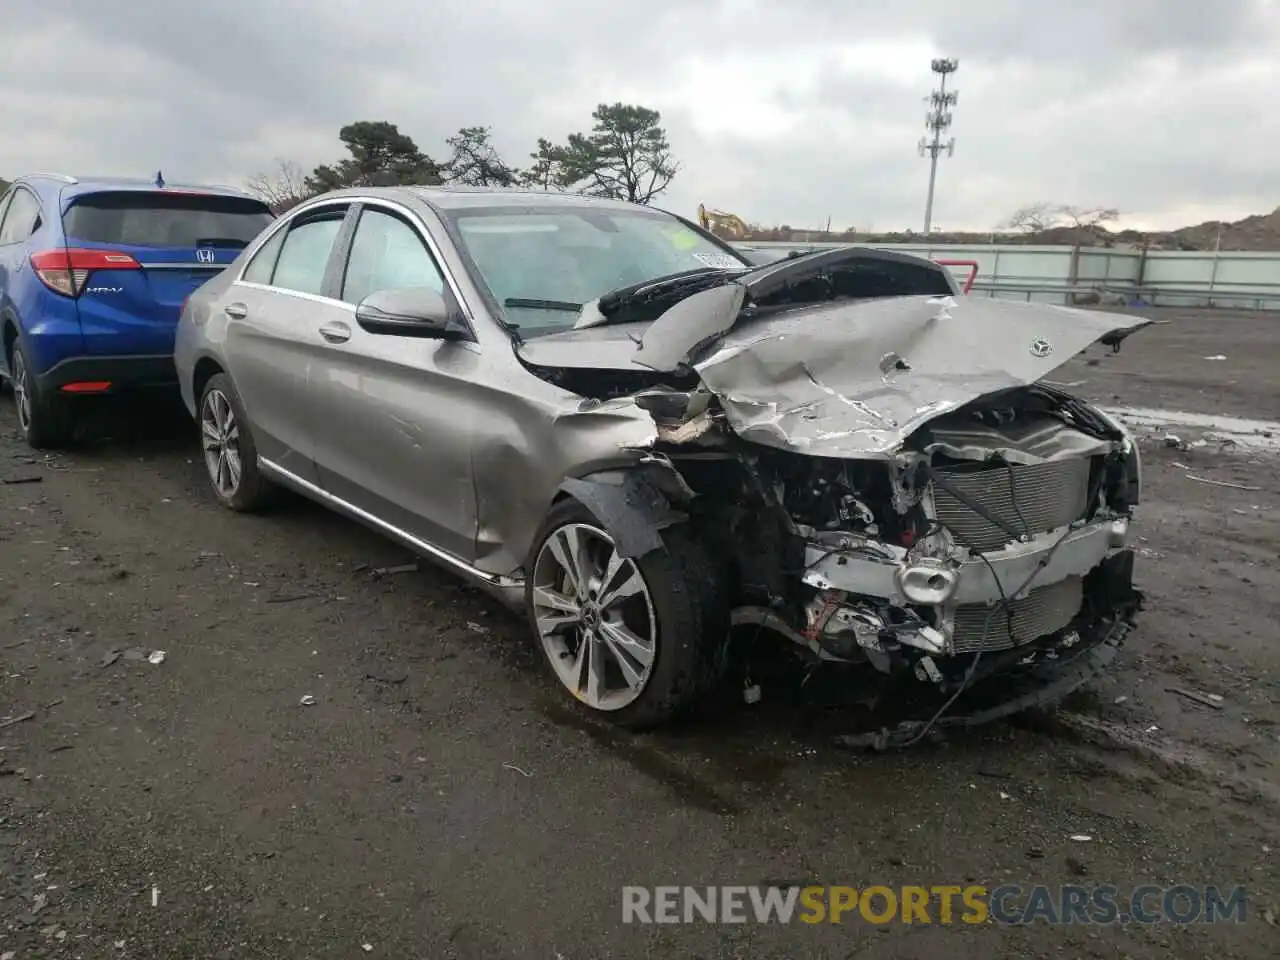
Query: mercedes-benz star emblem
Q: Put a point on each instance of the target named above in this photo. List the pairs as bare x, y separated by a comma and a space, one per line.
1040, 347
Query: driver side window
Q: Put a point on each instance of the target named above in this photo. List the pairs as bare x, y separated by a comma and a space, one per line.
387, 254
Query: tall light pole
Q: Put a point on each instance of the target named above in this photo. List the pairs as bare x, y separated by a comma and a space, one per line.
938, 121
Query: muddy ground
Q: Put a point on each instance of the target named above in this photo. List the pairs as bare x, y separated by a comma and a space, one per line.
437, 800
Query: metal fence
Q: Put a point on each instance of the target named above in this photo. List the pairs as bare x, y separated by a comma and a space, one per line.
1066, 275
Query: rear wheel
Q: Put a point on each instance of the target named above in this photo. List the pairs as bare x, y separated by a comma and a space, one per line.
44, 418
636, 641
230, 458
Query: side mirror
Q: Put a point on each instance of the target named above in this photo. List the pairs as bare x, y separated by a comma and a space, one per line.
410, 312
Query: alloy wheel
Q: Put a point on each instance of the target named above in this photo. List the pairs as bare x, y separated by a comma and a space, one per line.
21, 392
220, 434
594, 616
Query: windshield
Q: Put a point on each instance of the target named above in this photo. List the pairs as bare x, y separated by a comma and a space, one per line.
544, 263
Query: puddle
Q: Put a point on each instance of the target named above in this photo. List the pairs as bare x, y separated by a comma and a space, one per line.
1248, 434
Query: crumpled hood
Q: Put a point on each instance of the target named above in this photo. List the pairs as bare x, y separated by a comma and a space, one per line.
845, 378
854, 380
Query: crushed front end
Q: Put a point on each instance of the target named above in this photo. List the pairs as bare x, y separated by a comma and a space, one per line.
883, 473
997, 533
986, 556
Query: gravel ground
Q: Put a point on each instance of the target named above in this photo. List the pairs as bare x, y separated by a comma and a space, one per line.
437, 801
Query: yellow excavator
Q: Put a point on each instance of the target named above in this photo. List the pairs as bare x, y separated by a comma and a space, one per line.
729, 226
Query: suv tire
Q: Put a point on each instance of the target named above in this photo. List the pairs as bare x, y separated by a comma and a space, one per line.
44, 419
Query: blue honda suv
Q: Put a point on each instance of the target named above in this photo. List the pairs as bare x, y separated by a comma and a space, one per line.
93, 276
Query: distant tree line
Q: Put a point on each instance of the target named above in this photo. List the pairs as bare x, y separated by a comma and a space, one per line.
625, 156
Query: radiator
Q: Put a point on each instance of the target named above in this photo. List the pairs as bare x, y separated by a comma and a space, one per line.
1042, 611
1043, 496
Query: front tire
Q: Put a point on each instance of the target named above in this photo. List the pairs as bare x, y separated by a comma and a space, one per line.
230, 457
44, 419
634, 641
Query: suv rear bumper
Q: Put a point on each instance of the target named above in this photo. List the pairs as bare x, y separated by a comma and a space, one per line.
116, 373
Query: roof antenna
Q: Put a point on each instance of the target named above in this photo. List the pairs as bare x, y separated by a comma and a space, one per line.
159, 180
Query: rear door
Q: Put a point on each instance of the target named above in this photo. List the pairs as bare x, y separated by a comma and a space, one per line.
273, 315
176, 241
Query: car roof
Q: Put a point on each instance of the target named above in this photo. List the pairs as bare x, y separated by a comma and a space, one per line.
81, 186
461, 198
452, 197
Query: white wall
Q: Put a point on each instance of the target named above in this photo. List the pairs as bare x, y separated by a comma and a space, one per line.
1042, 274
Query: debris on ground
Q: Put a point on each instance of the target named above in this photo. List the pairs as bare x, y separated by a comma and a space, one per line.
391, 675
30, 714
1217, 356
1224, 483
291, 597
1081, 837
16, 480
389, 571
307, 701
1204, 699
512, 766
156, 656
477, 628
1175, 441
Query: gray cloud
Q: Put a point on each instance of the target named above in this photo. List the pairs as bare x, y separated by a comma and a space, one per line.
782, 113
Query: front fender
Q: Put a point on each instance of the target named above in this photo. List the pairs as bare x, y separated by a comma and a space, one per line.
632, 508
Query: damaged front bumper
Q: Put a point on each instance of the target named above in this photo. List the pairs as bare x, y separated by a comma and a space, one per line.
1042, 674
880, 597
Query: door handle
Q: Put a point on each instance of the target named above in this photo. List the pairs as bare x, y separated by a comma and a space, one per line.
336, 332
236, 311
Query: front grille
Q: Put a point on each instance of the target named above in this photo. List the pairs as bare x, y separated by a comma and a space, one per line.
1043, 611
1044, 496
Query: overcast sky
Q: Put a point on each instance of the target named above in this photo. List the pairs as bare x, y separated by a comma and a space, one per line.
780, 112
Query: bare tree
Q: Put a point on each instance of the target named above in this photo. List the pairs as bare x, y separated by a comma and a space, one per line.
1088, 218
1033, 218
1038, 217
281, 188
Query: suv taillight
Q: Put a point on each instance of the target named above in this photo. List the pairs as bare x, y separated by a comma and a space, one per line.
65, 271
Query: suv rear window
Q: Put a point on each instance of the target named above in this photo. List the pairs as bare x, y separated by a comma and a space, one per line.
165, 220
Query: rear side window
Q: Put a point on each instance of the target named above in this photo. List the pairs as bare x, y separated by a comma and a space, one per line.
142, 219
305, 255
263, 263
21, 217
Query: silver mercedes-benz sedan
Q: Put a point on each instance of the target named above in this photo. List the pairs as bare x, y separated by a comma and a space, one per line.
611, 419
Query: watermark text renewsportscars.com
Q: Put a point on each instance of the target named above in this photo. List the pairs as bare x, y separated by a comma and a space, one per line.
1009, 904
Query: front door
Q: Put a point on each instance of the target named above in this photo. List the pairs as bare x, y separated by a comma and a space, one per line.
393, 425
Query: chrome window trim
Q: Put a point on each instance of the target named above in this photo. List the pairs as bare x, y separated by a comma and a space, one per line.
415, 221
299, 294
